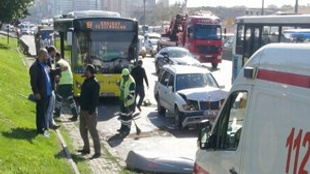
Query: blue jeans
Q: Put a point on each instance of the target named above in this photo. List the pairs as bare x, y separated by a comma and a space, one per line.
50, 110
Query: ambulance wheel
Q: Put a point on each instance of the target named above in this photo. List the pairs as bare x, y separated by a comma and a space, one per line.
214, 65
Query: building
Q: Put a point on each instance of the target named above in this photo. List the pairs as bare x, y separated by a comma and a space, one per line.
65, 6
164, 3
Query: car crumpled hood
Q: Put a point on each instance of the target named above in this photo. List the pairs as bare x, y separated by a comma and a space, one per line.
205, 93
185, 60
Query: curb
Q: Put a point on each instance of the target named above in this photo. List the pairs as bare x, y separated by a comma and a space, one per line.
68, 154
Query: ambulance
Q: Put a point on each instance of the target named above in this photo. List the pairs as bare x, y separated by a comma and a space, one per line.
264, 124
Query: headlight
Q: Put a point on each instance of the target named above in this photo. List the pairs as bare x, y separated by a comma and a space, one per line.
219, 57
190, 105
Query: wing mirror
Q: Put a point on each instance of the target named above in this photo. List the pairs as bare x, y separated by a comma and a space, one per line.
205, 138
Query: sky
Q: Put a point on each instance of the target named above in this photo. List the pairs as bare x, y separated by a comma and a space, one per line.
247, 3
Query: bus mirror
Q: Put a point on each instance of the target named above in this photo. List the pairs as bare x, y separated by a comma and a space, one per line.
69, 38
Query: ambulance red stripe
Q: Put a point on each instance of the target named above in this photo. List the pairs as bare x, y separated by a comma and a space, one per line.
284, 77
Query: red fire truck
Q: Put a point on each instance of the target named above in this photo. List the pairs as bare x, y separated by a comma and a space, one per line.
201, 34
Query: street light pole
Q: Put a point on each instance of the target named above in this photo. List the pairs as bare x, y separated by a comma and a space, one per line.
296, 7
262, 7
144, 17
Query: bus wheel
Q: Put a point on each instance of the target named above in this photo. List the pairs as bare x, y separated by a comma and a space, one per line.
214, 65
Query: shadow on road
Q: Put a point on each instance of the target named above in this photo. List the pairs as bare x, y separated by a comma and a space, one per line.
166, 124
116, 140
108, 108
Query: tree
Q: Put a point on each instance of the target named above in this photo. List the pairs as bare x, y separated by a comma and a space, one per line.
13, 10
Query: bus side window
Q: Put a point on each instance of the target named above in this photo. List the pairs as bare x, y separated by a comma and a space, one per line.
240, 39
248, 43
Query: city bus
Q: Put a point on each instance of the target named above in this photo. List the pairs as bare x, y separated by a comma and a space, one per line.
101, 38
252, 32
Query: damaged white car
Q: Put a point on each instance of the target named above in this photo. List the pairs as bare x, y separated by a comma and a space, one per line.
190, 93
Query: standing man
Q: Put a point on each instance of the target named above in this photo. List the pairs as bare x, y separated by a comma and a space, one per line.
88, 116
127, 101
42, 89
53, 73
138, 73
64, 89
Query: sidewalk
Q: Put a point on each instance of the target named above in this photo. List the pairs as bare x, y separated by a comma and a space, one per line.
106, 164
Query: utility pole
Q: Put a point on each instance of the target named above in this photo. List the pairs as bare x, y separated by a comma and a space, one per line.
144, 17
262, 7
296, 7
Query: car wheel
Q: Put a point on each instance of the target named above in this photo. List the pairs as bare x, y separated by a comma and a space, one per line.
177, 118
143, 55
161, 110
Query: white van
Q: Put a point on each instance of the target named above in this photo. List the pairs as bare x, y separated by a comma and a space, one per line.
264, 125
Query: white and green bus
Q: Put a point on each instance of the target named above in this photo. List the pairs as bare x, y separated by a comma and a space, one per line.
253, 32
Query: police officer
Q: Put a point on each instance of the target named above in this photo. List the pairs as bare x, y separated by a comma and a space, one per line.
127, 101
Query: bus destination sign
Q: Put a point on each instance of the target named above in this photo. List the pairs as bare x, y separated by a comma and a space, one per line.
103, 24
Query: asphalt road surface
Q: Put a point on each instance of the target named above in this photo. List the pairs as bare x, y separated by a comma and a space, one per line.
159, 135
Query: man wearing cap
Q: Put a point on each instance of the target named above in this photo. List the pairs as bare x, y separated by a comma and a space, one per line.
88, 117
127, 100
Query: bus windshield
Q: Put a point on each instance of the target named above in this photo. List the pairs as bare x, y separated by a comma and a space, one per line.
106, 46
207, 32
109, 51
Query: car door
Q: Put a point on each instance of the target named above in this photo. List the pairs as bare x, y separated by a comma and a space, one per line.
224, 146
169, 93
160, 59
163, 88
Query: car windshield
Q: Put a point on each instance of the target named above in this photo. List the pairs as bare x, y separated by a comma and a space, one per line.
208, 32
178, 53
188, 81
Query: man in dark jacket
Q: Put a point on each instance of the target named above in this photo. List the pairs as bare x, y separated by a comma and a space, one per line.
42, 89
138, 73
88, 117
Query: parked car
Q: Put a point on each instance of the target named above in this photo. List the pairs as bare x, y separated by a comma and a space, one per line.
142, 51
151, 40
174, 55
190, 93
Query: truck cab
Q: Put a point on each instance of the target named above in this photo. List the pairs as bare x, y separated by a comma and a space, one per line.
263, 126
201, 34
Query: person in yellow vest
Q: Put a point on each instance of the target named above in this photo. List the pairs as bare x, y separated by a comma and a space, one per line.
127, 101
64, 89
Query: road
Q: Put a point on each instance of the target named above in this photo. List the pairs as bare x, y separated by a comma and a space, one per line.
158, 133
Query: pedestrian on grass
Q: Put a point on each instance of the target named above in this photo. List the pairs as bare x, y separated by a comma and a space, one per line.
42, 89
88, 117
127, 101
138, 73
53, 73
